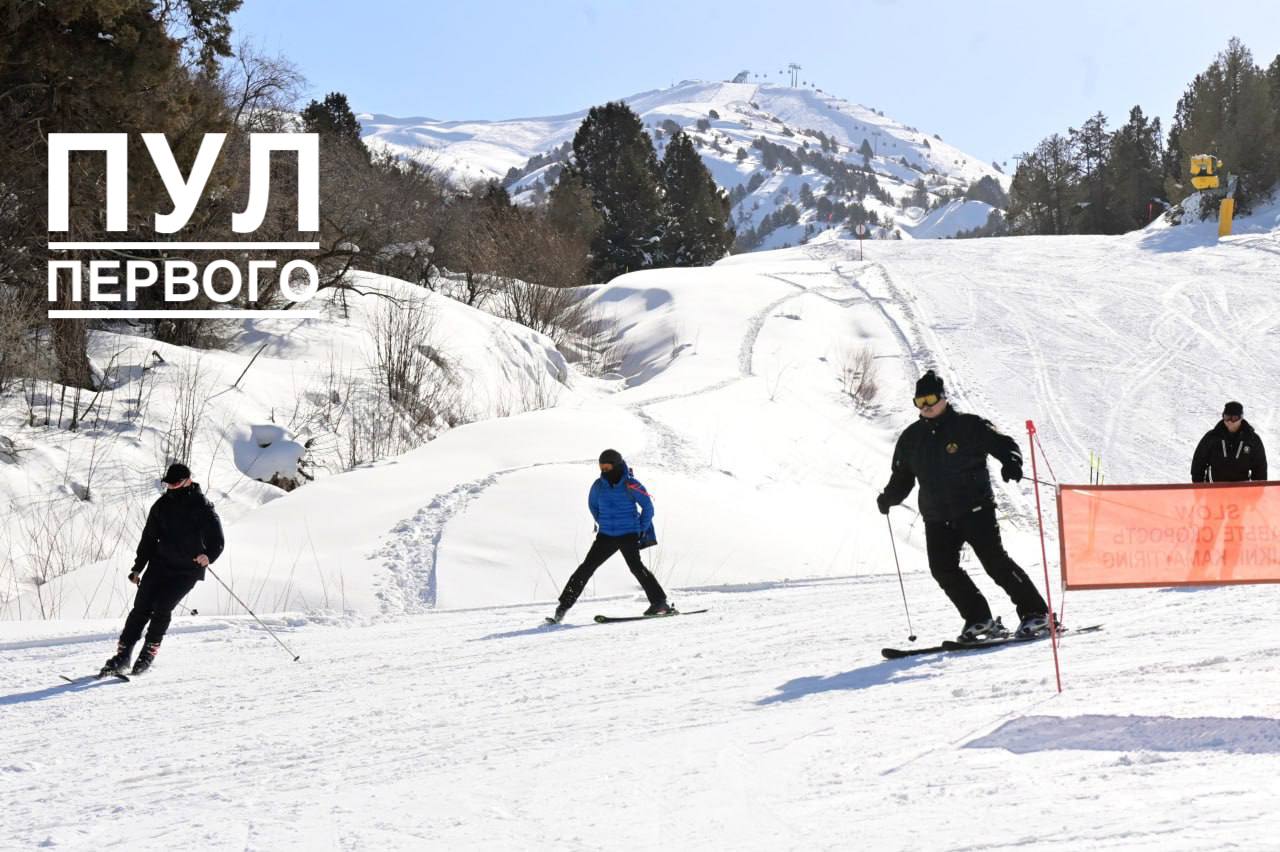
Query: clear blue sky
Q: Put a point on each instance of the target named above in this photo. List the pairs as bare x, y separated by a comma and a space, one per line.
991, 77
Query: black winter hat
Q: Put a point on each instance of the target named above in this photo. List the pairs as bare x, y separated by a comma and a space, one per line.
929, 383
612, 457
1233, 408
176, 473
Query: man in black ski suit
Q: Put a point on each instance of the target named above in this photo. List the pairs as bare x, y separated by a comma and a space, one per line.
1231, 451
947, 452
182, 536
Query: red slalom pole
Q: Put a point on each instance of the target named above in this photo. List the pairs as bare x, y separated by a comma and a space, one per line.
1044, 556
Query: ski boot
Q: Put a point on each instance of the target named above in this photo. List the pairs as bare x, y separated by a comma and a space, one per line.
118, 663
1033, 626
147, 656
558, 617
663, 608
977, 632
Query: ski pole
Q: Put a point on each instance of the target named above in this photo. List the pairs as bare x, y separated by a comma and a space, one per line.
911, 633
296, 657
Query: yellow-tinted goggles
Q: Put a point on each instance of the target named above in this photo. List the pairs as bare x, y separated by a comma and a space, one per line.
927, 400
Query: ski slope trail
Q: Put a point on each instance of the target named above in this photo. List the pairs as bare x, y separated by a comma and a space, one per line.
1118, 346
769, 721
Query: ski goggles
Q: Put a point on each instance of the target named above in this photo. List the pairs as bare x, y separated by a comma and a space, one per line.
1232, 418
927, 400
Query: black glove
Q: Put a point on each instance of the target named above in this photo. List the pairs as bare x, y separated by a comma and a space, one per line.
1011, 472
883, 504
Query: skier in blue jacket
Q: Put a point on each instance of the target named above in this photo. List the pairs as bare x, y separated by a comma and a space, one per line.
624, 521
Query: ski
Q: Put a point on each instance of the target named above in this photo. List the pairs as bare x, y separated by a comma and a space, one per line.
1014, 640
609, 619
953, 646
899, 653
98, 676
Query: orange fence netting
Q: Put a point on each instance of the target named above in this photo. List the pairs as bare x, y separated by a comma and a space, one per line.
1126, 536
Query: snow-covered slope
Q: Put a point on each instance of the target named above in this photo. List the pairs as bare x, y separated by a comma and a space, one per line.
949, 219
733, 402
721, 118
281, 391
770, 722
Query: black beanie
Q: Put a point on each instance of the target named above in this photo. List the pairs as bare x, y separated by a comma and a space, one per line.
1234, 409
929, 383
612, 457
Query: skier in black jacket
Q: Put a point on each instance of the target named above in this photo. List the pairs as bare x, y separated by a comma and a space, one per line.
182, 536
947, 452
1230, 451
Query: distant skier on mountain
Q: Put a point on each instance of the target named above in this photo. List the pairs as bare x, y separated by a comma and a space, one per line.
183, 535
1231, 451
947, 452
623, 511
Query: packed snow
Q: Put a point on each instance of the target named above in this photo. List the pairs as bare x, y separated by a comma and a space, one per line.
432, 709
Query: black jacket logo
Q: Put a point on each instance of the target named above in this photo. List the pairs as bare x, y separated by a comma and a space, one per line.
953, 447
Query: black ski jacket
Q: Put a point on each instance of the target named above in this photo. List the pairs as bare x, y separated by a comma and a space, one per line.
180, 526
948, 455
1223, 457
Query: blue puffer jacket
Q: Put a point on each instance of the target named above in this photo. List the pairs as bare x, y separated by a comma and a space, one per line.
614, 506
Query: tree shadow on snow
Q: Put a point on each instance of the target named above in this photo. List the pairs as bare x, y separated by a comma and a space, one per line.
867, 676
53, 691
1244, 735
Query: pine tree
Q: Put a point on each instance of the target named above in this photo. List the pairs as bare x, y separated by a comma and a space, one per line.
1043, 188
1091, 145
919, 195
1273, 90
617, 164
332, 117
695, 212
1228, 112
988, 189
1133, 171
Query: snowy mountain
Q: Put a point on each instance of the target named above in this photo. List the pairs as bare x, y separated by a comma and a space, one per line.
724, 119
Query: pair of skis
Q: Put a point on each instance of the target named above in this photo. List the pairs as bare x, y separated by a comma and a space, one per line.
999, 641
612, 619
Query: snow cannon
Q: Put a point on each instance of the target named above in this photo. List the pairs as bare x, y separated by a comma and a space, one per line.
1204, 171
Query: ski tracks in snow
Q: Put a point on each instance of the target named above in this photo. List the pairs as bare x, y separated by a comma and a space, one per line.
676, 451
412, 551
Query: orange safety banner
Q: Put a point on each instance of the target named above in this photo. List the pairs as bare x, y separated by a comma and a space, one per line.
1130, 536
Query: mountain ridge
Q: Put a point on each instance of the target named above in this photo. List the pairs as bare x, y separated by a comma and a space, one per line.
723, 118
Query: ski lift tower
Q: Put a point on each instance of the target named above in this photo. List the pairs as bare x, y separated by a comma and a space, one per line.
795, 73
1205, 175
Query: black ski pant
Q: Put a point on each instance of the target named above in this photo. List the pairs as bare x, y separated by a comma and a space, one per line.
158, 593
601, 549
943, 540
